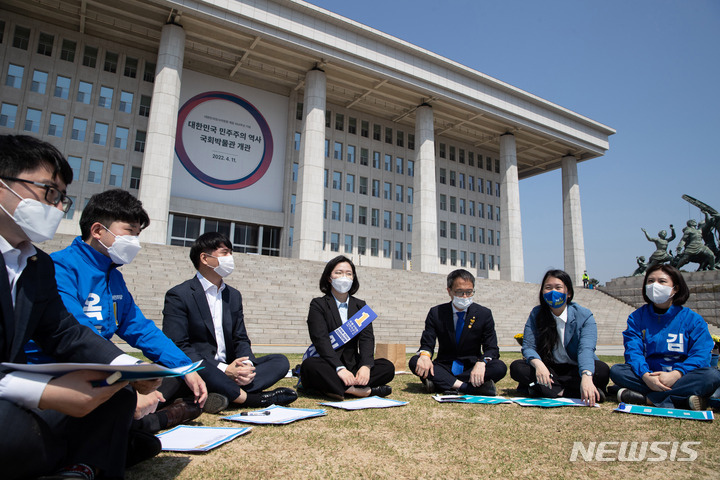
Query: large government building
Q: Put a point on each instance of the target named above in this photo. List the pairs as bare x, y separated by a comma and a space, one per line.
295, 131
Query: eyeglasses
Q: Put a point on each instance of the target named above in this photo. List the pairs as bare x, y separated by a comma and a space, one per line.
52, 195
463, 293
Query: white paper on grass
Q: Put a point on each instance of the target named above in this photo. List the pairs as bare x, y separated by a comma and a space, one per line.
367, 402
188, 438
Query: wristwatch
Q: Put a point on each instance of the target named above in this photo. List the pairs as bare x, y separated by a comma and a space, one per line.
587, 372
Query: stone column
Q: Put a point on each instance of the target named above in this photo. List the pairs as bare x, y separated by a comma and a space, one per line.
573, 243
157, 167
424, 237
511, 251
307, 241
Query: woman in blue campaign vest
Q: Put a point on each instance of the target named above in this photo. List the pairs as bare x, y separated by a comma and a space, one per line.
350, 369
667, 348
559, 347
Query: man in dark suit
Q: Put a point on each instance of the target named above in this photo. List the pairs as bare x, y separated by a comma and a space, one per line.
52, 423
204, 317
468, 359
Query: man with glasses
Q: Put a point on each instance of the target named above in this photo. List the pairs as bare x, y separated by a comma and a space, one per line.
468, 360
51, 423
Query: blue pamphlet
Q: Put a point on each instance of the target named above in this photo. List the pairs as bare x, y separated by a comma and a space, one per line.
706, 415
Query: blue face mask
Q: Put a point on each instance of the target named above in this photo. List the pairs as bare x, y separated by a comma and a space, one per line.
555, 299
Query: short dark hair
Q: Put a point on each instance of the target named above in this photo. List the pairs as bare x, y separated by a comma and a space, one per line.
22, 153
325, 284
206, 243
459, 273
683, 292
112, 206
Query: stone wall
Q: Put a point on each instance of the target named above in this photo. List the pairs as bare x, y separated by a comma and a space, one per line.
704, 293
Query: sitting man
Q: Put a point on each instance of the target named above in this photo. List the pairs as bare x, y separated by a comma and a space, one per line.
204, 317
57, 423
94, 291
468, 360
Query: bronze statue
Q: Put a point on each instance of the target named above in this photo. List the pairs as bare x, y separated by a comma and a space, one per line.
642, 266
660, 255
695, 250
709, 228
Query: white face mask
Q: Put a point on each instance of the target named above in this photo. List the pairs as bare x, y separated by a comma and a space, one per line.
461, 303
226, 265
123, 249
657, 293
39, 221
342, 284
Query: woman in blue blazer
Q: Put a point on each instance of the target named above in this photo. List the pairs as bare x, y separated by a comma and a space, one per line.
559, 347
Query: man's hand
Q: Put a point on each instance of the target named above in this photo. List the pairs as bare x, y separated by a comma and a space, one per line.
72, 393
197, 385
147, 404
652, 380
346, 376
241, 373
588, 392
145, 387
362, 377
424, 367
477, 375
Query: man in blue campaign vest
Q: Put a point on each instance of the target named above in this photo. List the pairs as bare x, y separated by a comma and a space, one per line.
94, 291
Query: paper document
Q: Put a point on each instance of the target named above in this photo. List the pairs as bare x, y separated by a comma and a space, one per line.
187, 438
276, 415
706, 415
367, 402
471, 399
143, 371
550, 402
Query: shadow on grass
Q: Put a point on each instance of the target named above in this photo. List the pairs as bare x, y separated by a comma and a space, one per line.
160, 467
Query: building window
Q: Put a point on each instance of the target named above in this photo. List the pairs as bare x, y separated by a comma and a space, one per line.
452, 155
443, 256
441, 150
337, 152
290, 237
409, 223
67, 50
491, 262
387, 219
411, 146
149, 73
364, 128
8, 114
325, 178
463, 258
84, 92
140, 137
339, 121
121, 137
463, 234
350, 183
106, 97
490, 237
443, 202
376, 159
126, 100
79, 129
135, 177
461, 158
57, 125
362, 215
471, 230
116, 175
374, 247
453, 257
453, 230
90, 56
45, 44
411, 168
335, 212
497, 213
296, 141
453, 204
452, 178
71, 211
471, 162
387, 191
398, 251
386, 248
21, 38
295, 168
400, 139
131, 66
337, 181
352, 125
14, 76
145, 105
481, 235
461, 180
388, 163
364, 156
334, 242
111, 62
328, 118
363, 186
471, 208
497, 166
327, 148
39, 82
376, 188
462, 206
32, 120
481, 210
76, 165
292, 203
399, 221
62, 87
410, 195
398, 193
348, 243
471, 183
351, 153
399, 165
377, 132
362, 244
489, 187
388, 135
442, 176
481, 262
95, 171
443, 229
497, 189
375, 217
472, 257
481, 184
299, 110
100, 135
488, 164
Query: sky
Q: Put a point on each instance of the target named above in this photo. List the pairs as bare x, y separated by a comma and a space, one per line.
650, 69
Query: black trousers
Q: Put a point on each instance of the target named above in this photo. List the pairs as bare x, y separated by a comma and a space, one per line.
565, 377
317, 374
444, 379
38, 442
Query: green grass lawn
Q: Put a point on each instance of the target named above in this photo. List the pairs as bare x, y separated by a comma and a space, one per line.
425, 439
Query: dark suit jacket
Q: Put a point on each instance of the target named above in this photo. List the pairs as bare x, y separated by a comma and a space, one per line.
323, 318
39, 314
477, 341
187, 322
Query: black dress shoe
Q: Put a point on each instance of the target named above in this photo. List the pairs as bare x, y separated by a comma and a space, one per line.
279, 396
625, 395
381, 391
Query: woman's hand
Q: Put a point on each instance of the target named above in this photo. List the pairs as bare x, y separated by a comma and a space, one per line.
588, 392
362, 377
542, 374
652, 380
669, 378
346, 376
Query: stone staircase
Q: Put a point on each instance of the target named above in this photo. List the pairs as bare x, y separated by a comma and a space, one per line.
277, 292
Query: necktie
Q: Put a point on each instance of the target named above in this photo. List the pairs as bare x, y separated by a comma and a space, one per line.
459, 326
